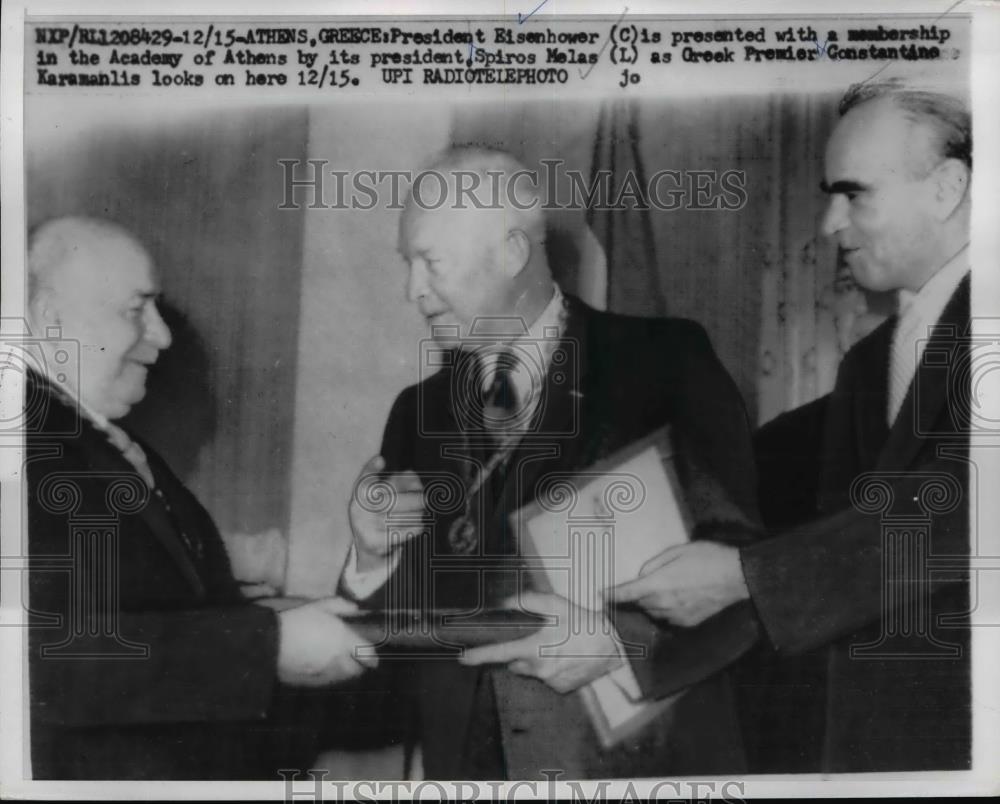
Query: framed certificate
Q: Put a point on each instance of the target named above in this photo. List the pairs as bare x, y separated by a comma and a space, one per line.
593, 528
589, 529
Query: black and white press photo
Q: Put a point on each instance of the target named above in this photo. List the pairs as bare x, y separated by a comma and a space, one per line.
579, 401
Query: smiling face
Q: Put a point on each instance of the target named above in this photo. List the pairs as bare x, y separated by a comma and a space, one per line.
105, 298
455, 263
880, 180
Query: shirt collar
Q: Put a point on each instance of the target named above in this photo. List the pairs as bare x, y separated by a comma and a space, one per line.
544, 331
549, 323
929, 302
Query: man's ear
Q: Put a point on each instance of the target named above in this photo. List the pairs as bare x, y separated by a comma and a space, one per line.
43, 312
517, 252
951, 185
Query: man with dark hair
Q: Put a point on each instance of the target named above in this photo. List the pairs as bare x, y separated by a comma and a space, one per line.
893, 472
145, 661
945, 117
535, 385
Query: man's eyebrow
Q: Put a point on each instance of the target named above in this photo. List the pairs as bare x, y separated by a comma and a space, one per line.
148, 295
839, 187
423, 253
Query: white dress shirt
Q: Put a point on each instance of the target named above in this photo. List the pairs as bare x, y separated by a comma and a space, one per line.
918, 313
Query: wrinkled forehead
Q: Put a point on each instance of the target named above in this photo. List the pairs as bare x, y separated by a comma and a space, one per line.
875, 139
449, 228
111, 269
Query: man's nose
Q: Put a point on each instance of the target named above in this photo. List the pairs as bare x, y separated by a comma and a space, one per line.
834, 216
416, 281
156, 330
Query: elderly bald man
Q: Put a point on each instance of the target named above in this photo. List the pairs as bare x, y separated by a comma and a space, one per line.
538, 385
146, 662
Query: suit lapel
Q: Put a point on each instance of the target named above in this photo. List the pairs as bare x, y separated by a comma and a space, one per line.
925, 408
103, 456
154, 514
165, 527
870, 398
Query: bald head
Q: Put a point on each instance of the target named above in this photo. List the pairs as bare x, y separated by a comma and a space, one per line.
93, 281
66, 244
940, 122
473, 237
479, 178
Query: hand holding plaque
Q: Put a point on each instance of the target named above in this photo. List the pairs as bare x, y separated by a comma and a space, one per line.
577, 647
686, 584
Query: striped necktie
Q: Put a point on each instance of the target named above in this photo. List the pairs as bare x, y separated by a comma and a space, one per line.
135, 455
902, 360
500, 402
131, 451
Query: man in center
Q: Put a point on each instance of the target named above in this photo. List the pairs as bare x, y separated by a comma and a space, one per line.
532, 384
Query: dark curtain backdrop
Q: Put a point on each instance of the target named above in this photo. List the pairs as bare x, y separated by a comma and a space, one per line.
202, 194
625, 234
759, 278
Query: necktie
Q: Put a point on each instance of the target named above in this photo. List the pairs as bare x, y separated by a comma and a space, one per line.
500, 403
902, 361
131, 451
134, 454
493, 413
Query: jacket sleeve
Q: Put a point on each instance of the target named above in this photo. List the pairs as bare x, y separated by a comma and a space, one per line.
145, 648
712, 430
191, 666
667, 659
787, 450
815, 583
712, 436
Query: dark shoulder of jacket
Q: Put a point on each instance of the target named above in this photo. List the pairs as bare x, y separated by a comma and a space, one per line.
874, 346
641, 334
48, 420
403, 426
405, 403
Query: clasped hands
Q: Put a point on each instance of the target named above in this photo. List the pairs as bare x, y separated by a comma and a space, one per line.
316, 647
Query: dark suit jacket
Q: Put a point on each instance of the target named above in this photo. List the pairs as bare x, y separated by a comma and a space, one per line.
625, 378
145, 663
902, 703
